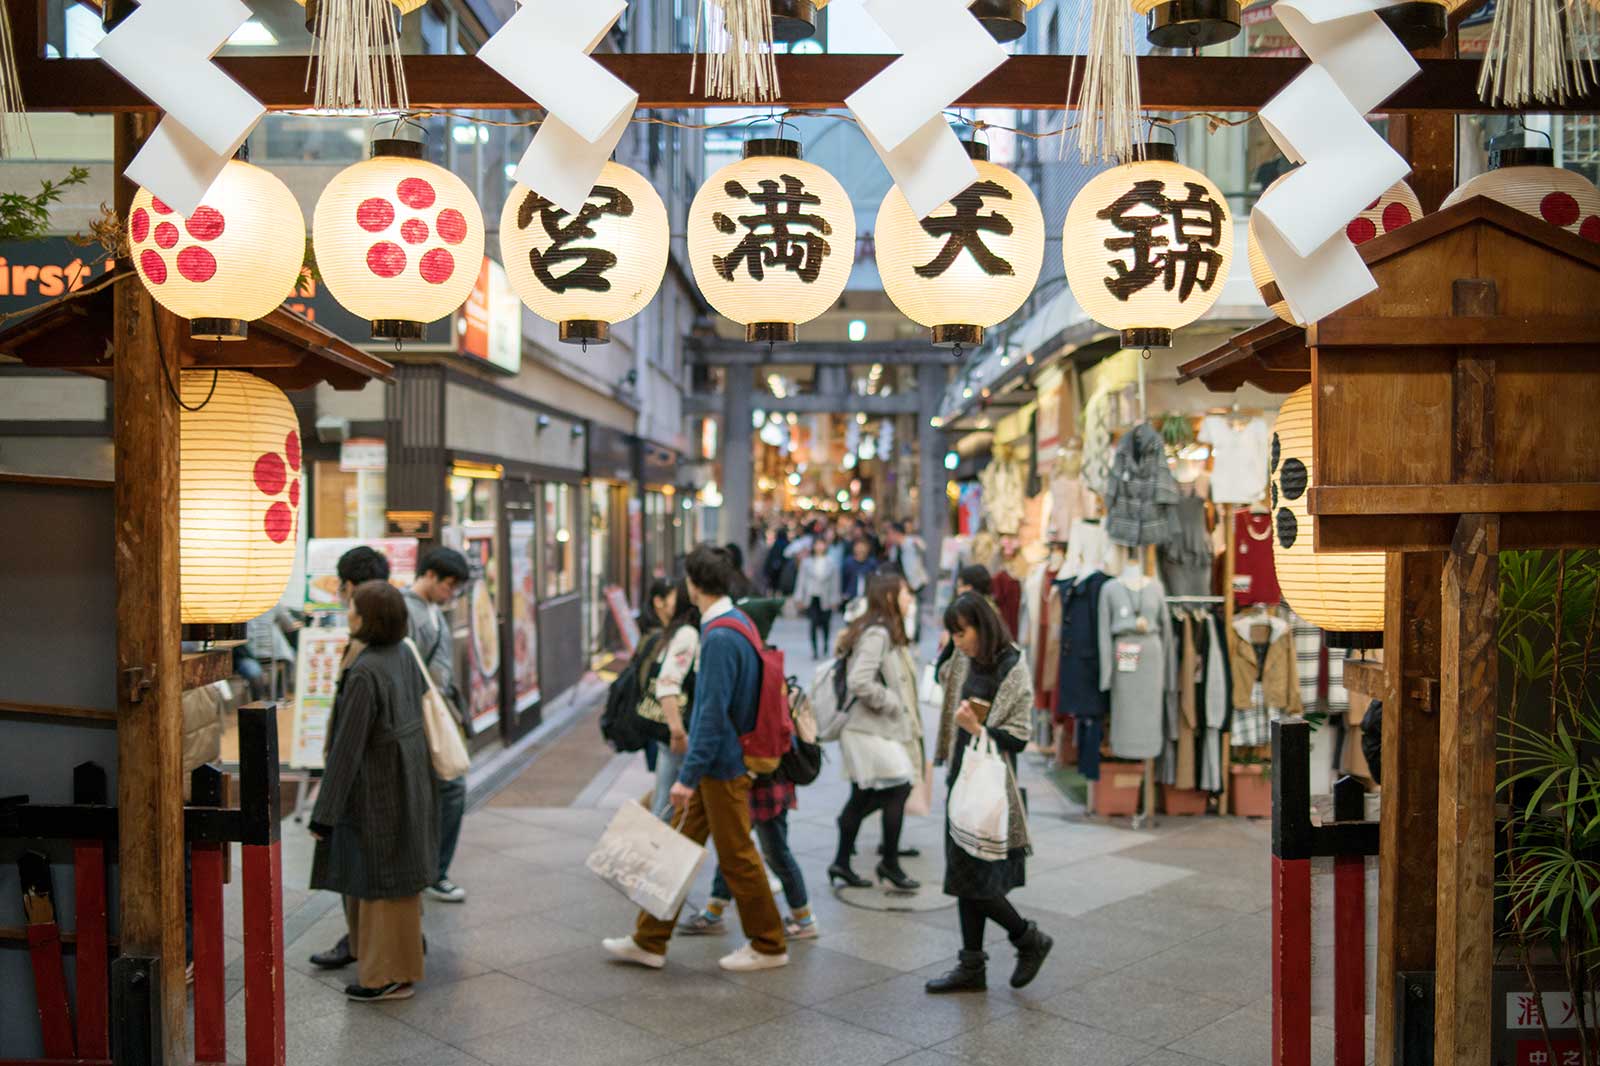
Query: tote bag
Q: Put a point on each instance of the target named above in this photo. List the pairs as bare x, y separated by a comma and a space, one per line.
646, 860
980, 810
445, 746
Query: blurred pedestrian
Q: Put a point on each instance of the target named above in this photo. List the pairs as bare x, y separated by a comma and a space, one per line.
817, 593
668, 685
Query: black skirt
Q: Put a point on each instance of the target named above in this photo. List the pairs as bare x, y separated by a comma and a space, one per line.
968, 877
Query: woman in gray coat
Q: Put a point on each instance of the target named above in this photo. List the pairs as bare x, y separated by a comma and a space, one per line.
376, 818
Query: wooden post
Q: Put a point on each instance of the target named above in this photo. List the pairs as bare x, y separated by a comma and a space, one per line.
1408, 860
149, 721
1229, 534
1428, 141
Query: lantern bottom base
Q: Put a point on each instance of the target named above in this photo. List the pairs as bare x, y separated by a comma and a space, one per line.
1192, 23
398, 329
1418, 23
957, 335
793, 20
584, 331
1006, 20
1363, 641
771, 333
218, 329
1148, 337
212, 632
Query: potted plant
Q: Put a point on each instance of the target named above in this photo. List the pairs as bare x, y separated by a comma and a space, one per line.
1549, 870
1251, 794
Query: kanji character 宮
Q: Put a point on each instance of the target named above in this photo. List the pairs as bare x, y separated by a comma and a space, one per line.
782, 235
965, 228
564, 229
1196, 223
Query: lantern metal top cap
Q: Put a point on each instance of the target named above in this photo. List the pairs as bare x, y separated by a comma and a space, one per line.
1157, 150
976, 150
782, 147
397, 146
1522, 156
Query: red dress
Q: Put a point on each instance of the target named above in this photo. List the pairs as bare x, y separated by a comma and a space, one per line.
1008, 597
1255, 576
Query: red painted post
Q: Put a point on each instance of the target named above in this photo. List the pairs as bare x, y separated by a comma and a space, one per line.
89, 892
210, 985
1350, 960
1291, 962
263, 954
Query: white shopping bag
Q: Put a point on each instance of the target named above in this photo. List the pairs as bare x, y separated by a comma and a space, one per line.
646, 860
980, 810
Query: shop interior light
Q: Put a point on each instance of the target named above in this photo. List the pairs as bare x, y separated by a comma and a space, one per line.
857, 329
951, 460
794, 479
758, 418
842, 496
868, 505
481, 471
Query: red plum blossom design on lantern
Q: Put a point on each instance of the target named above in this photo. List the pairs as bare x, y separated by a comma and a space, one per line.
195, 262
274, 474
389, 258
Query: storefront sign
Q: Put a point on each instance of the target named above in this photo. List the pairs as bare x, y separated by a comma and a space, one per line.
622, 614
489, 324
418, 524
524, 625
363, 454
32, 272
481, 686
316, 680
322, 566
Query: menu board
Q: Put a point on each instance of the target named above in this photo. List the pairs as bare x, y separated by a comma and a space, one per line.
316, 682
622, 614
322, 566
524, 626
482, 683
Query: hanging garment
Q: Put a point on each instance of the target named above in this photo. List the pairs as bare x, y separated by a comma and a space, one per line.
1186, 557
1308, 660
1265, 685
1087, 547
1097, 442
1078, 692
1070, 500
1007, 592
1214, 688
1044, 630
1003, 501
1180, 767
1255, 577
1134, 666
1141, 492
1238, 458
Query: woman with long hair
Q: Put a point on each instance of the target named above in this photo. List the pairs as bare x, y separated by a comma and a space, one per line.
882, 740
668, 688
988, 690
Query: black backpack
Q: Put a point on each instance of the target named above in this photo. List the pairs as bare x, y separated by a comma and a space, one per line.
621, 725
802, 764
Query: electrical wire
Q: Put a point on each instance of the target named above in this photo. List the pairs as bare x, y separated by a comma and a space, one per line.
166, 373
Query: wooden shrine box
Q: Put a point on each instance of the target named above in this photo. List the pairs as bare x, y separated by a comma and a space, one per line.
1468, 383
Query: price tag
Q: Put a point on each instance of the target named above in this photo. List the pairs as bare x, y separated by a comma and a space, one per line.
1128, 654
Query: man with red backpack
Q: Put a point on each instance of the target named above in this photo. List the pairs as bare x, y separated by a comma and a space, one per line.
735, 730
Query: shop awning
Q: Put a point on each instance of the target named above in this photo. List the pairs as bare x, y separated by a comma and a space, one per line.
1271, 356
283, 348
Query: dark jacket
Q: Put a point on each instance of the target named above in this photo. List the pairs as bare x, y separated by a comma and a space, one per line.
378, 789
856, 572
1078, 684
1140, 492
726, 694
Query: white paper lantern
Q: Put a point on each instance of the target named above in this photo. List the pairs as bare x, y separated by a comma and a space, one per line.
586, 272
1148, 246
771, 240
240, 475
1337, 591
233, 261
1528, 180
971, 263
398, 240
1397, 207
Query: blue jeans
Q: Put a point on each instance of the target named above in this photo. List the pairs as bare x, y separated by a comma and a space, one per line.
452, 808
668, 763
774, 839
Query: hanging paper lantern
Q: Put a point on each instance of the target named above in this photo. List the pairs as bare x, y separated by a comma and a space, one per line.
239, 494
968, 265
795, 20
586, 272
1336, 591
1528, 180
1148, 246
1186, 24
771, 240
1397, 207
233, 261
398, 240
1006, 20
1420, 23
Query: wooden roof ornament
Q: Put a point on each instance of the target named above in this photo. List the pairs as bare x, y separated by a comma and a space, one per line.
283, 348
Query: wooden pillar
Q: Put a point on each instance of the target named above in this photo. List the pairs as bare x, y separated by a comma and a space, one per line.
149, 717
1427, 140
1408, 852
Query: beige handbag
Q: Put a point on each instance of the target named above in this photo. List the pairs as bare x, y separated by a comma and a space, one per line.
445, 746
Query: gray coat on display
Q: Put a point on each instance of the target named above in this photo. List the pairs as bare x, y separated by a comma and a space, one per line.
1141, 492
378, 793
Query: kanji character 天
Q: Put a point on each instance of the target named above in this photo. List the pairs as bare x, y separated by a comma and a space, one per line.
965, 228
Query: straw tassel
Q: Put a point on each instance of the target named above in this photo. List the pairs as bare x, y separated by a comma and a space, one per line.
736, 38
356, 53
1108, 105
1540, 51
12, 111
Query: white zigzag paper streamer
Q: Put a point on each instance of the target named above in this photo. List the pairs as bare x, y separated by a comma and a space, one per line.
544, 50
944, 52
164, 49
1319, 121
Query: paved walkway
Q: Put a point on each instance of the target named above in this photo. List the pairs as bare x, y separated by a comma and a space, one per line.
1161, 952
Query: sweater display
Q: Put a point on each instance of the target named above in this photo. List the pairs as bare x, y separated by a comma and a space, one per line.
1135, 635
1186, 557
1255, 577
1239, 455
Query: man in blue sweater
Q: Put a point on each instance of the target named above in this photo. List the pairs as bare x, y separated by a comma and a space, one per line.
712, 792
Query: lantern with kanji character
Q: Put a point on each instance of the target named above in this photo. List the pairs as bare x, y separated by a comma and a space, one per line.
1528, 180
1341, 592
971, 263
239, 493
1186, 24
772, 240
234, 260
1148, 246
1006, 20
398, 240
586, 271
1397, 207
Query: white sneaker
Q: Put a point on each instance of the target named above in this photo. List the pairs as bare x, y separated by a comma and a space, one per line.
747, 960
624, 948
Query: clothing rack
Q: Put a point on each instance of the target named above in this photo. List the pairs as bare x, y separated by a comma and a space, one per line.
1194, 599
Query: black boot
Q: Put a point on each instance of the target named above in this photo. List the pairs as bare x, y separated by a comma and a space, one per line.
1032, 947
969, 975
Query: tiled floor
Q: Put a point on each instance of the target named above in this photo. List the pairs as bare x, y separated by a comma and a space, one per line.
1161, 954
